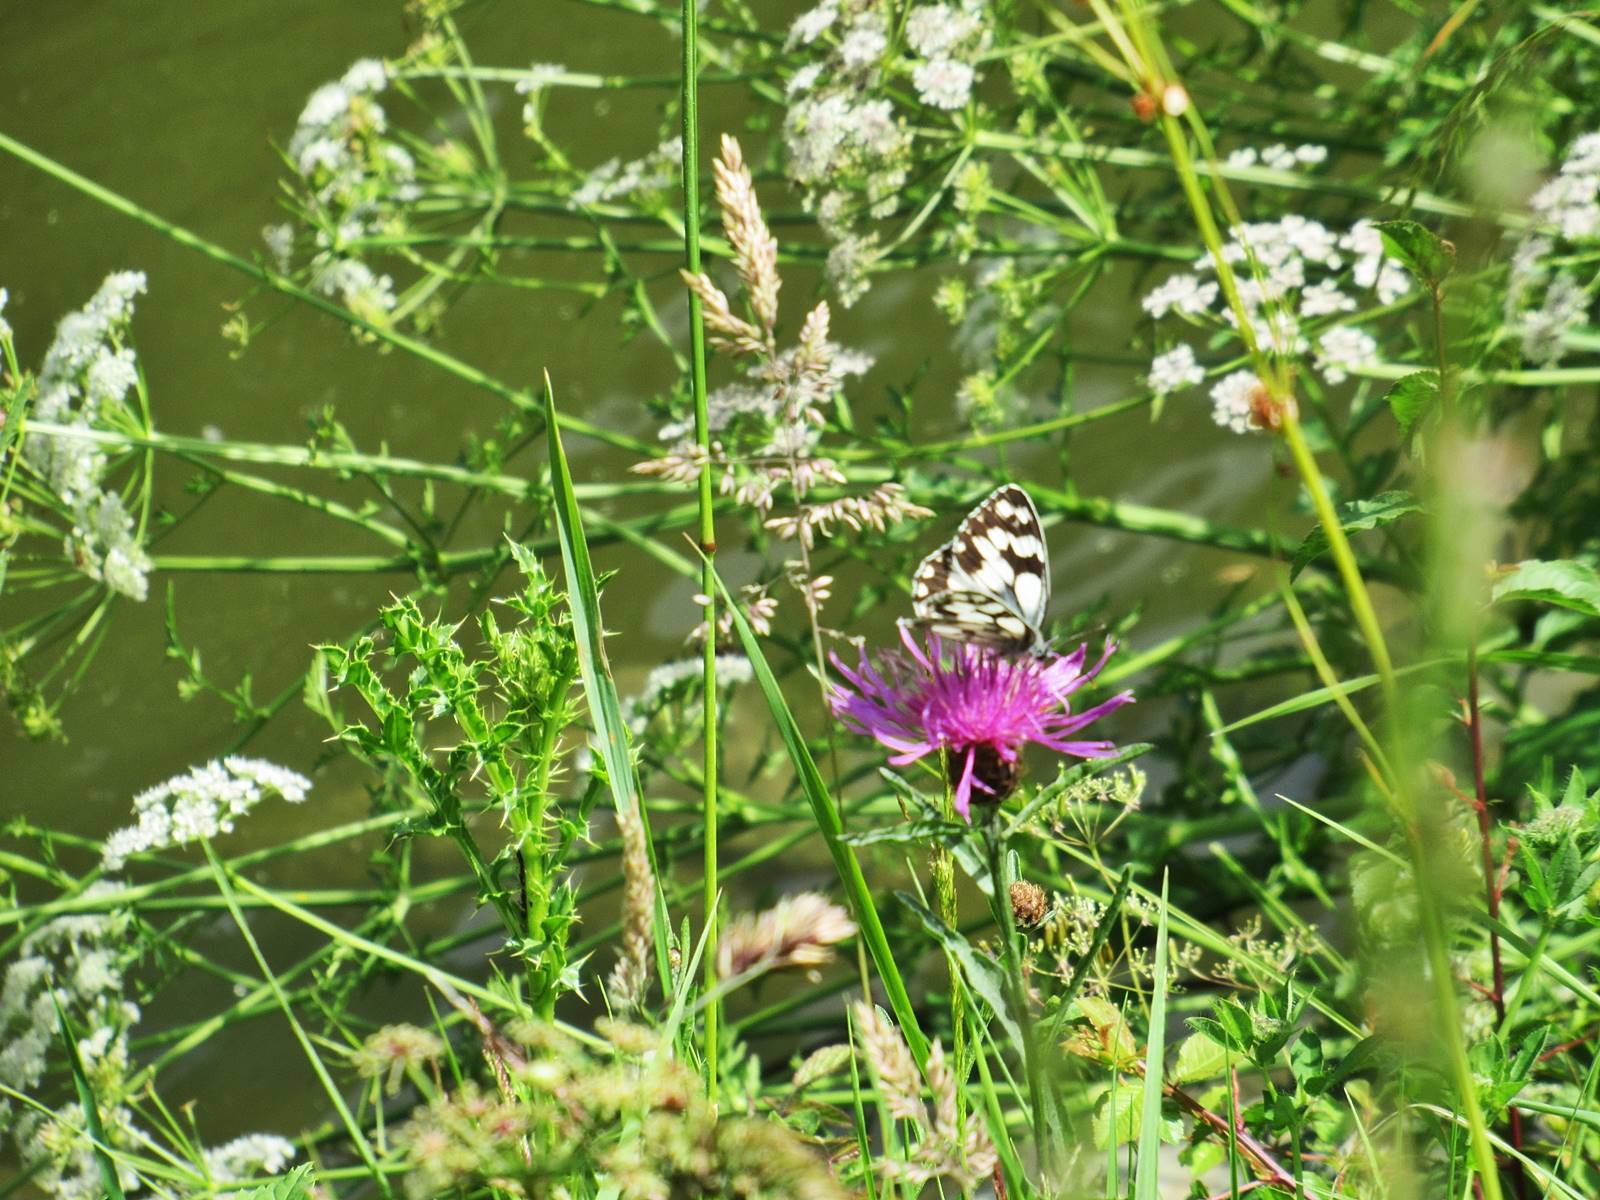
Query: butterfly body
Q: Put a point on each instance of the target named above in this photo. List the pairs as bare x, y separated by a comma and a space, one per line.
989, 584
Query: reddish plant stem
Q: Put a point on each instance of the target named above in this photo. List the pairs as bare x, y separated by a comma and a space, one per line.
1564, 1047
1266, 1162
1493, 882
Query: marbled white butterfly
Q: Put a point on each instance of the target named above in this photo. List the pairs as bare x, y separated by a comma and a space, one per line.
990, 584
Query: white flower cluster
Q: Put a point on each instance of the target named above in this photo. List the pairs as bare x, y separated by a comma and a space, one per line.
847, 146
615, 179
949, 39
5, 326
200, 804
1545, 301
353, 177
84, 382
668, 678
249, 1156
1279, 157
78, 961
1292, 275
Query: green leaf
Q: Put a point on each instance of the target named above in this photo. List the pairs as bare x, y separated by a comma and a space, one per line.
1564, 582
1199, 1057
293, 1186
1147, 1172
1354, 517
1120, 1120
91, 1111
829, 824
980, 970
1424, 253
1411, 397
605, 710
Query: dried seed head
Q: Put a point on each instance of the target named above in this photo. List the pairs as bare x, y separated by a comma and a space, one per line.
630, 978
1266, 411
1028, 903
798, 931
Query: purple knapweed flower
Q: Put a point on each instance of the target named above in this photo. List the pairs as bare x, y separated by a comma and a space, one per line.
980, 706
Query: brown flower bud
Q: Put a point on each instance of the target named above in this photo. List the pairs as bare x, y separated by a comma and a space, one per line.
1144, 106
1028, 903
1266, 410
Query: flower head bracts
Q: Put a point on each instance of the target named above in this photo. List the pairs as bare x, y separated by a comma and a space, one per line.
978, 706
1297, 280
1545, 301
84, 382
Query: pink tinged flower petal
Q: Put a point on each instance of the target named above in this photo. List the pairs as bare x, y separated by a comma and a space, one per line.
963, 797
924, 695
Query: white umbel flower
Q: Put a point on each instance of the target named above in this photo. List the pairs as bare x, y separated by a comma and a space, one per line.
1174, 371
1344, 349
943, 82
204, 802
1232, 401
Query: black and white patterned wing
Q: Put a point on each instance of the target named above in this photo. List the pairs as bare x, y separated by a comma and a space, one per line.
990, 583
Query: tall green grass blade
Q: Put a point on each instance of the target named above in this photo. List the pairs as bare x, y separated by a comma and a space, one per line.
91, 1110
1147, 1179
831, 827
605, 710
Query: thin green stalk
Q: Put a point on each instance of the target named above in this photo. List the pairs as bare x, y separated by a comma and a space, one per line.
707, 499
358, 1139
1434, 938
429, 354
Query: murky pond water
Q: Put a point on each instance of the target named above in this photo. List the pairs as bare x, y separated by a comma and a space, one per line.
174, 105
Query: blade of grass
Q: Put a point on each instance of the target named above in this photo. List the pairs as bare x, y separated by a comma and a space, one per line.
600, 691
1147, 1179
690, 85
358, 1138
91, 1110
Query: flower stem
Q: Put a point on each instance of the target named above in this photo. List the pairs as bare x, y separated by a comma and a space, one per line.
708, 532
1005, 921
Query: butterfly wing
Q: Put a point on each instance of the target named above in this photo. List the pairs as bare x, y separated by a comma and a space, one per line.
991, 582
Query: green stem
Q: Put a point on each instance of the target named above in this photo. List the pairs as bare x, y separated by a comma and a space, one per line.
451, 365
707, 499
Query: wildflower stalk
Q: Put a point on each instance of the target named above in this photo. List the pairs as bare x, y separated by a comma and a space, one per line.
944, 886
708, 531
1157, 75
1016, 985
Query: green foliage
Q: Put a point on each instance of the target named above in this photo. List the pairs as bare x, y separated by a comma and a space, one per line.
1374, 937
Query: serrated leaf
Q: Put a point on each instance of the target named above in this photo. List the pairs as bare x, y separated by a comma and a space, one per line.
1420, 250
1355, 517
1411, 397
980, 971
929, 830
1564, 582
293, 1186
1103, 1034
1199, 1057
1121, 1117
